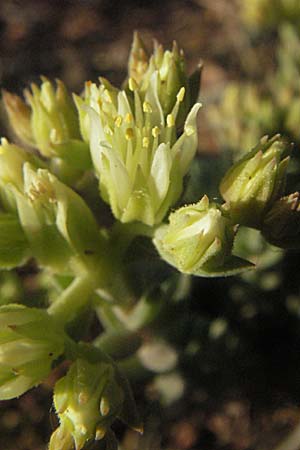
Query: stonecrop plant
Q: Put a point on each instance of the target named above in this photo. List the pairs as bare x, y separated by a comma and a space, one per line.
93, 187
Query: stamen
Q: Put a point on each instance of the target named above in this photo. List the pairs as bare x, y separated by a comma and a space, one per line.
118, 121
132, 84
128, 118
145, 142
129, 134
170, 120
147, 107
155, 132
181, 94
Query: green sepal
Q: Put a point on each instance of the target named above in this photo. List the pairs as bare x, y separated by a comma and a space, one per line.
233, 266
61, 439
111, 441
14, 247
74, 152
129, 413
47, 245
255, 182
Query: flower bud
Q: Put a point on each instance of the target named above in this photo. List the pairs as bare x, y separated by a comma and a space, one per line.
168, 66
138, 59
12, 160
57, 222
19, 115
255, 182
49, 123
198, 240
135, 154
102, 98
53, 116
281, 226
87, 400
29, 343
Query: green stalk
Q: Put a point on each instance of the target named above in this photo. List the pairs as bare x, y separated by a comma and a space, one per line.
133, 369
123, 235
118, 345
75, 297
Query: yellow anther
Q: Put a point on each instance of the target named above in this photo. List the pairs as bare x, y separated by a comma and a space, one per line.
88, 83
118, 121
155, 132
170, 120
128, 118
189, 130
129, 134
132, 84
147, 107
180, 95
145, 142
100, 433
104, 406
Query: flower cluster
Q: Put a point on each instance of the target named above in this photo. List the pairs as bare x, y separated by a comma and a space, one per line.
137, 155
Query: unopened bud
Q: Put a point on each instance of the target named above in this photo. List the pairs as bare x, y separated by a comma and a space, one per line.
255, 182
198, 240
281, 226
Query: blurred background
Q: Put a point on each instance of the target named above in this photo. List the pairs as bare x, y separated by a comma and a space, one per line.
237, 340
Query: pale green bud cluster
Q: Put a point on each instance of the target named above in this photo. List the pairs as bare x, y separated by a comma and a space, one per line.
42, 216
240, 118
48, 121
30, 342
87, 401
254, 183
50, 214
263, 14
14, 247
284, 86
245, 111
198, 240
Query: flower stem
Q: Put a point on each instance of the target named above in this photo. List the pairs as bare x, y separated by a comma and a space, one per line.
72, 299
118, 345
